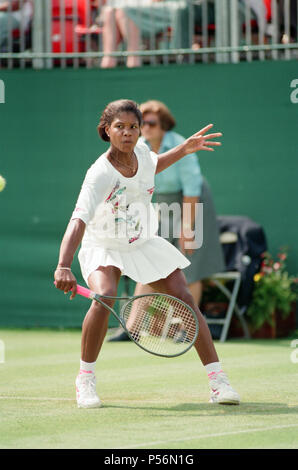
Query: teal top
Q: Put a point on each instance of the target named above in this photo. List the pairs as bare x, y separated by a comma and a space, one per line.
183, 176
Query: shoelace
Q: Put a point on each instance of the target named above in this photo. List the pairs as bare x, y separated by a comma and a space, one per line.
219, 379
87, 385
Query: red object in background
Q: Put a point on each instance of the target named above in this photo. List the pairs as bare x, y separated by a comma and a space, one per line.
254, 23
267, 4
75, 13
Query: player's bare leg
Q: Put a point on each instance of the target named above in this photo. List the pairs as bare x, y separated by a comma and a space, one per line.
175, 284
196, 290
102, 281
221, 391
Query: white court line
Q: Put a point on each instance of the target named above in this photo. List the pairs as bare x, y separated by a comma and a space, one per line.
36, 398
206, 436
124, 402
146, 444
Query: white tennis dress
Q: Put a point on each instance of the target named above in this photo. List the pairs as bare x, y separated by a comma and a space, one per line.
121, 223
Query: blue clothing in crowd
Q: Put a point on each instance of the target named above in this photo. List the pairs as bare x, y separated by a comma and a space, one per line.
184, 176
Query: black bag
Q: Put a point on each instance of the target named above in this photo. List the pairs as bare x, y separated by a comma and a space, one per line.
245, 254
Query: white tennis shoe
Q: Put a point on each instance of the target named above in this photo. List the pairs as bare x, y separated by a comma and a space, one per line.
86, 391
221, 390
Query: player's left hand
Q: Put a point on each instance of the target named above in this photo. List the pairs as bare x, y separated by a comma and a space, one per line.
200, 141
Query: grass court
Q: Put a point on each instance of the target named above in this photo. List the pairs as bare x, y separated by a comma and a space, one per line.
148, 402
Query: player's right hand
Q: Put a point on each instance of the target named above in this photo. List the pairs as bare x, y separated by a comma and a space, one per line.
66, 281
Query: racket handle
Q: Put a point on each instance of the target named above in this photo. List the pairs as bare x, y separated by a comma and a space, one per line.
85, 292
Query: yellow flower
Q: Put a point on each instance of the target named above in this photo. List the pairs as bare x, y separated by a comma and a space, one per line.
257, 277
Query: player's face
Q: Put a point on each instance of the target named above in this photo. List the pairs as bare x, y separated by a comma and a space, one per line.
124, 132
151, 128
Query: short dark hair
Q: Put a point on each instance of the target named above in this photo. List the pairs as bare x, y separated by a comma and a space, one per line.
112, 110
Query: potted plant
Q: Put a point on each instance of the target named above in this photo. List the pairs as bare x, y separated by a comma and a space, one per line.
273, 300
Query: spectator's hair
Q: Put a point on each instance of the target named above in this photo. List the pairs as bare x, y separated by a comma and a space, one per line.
167, 120
112, 110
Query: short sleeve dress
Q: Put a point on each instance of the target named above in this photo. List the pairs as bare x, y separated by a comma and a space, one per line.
121, 223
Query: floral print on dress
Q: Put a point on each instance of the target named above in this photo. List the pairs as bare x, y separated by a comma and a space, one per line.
115, 193
131, 221
151, 190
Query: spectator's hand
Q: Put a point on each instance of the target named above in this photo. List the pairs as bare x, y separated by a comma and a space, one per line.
200, 141
185, 239
66, 281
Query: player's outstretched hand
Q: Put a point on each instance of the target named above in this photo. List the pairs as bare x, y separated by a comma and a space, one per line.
202, 141
66, 281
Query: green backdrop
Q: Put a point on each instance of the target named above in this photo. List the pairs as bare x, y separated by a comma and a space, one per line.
48, 140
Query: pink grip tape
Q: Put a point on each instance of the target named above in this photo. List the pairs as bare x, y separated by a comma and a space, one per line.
85, 292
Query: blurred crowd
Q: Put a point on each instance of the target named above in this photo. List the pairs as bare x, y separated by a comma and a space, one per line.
108, 26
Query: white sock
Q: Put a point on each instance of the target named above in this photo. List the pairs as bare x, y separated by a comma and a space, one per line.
213, 368
87, 367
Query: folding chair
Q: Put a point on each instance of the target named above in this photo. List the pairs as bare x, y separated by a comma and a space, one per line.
235, 276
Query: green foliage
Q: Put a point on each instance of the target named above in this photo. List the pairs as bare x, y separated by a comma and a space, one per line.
273, 290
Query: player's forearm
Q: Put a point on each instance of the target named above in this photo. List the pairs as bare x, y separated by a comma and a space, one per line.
70, 242
170, 157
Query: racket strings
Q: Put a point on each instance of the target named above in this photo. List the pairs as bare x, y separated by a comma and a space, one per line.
160, 324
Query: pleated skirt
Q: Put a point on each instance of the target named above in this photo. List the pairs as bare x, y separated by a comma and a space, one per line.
150, 261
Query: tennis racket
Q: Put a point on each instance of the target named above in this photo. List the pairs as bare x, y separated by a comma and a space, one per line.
160, 324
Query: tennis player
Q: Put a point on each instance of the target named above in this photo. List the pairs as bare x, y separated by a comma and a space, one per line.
115, 224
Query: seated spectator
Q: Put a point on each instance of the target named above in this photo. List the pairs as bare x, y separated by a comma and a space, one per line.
116, 28
14, 15
133, 20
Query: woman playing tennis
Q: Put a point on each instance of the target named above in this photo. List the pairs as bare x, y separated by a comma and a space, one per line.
116, 226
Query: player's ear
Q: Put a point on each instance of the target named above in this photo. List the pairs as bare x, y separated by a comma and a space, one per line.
107, 131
